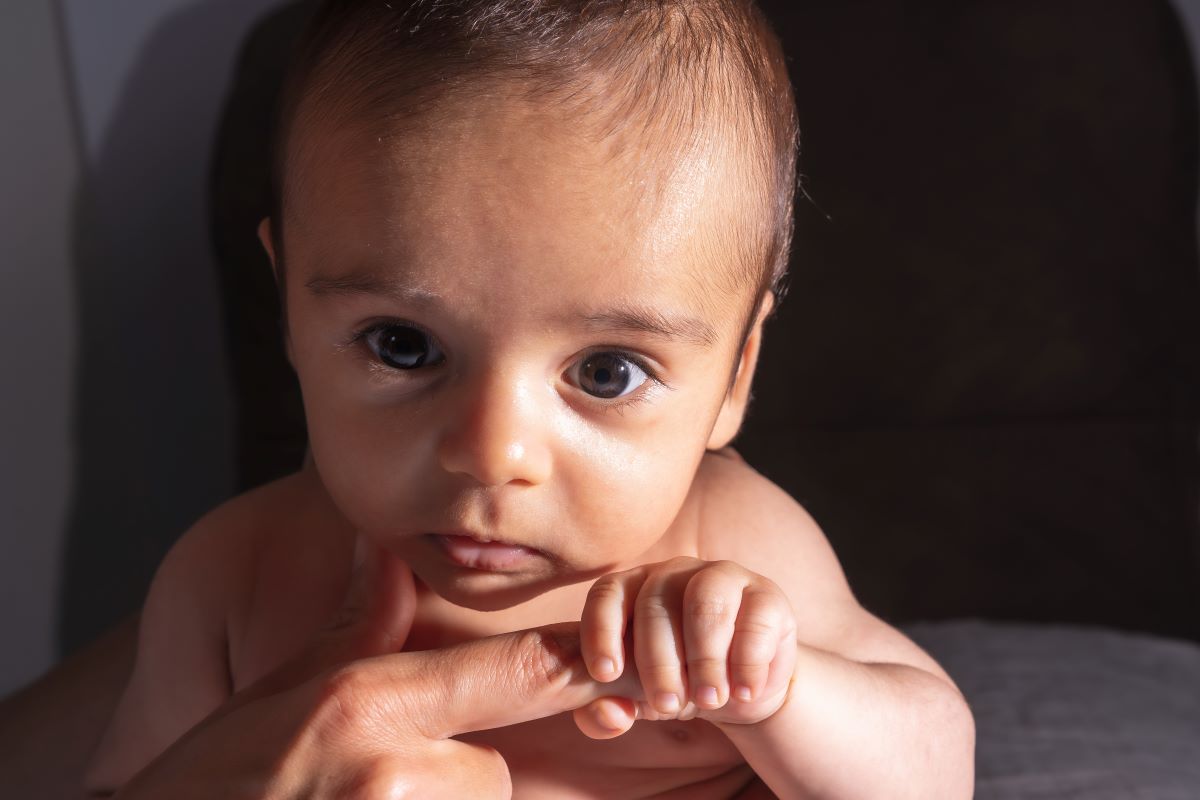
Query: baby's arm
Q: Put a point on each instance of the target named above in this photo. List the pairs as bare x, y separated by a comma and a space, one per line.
867, 713
181, 673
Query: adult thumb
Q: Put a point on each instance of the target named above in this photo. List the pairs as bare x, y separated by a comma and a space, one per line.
380, 601
374, 619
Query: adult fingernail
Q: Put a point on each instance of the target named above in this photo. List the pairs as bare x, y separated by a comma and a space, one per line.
707, 695
604, 666
666, 702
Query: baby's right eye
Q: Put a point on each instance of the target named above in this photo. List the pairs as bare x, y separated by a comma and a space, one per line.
404, 347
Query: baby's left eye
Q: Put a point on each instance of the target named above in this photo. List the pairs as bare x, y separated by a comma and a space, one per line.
607, 375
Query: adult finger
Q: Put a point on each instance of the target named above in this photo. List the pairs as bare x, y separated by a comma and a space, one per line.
488, 683
374, 619
381, 598
453, 769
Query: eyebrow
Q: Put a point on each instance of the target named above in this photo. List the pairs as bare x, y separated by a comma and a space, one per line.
650, 321
630, 318
359, 282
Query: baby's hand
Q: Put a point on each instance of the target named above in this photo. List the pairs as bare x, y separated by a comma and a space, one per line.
710, 639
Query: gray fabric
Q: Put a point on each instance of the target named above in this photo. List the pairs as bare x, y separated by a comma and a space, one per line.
1068, 712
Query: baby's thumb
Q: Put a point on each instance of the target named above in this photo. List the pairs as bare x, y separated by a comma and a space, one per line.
380, 600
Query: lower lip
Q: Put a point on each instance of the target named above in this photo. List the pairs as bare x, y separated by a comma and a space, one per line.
488, 556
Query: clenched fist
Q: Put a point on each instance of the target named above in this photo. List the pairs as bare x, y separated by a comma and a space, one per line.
708, 639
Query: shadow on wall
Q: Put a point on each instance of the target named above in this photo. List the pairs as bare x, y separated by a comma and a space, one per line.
152, 401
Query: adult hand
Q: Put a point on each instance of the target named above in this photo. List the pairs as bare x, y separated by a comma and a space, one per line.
352, 717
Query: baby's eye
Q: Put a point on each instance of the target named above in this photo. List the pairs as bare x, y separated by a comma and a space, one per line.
608, 375
404, 347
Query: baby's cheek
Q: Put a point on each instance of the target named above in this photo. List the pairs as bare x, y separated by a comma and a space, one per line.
630, 498
364, 470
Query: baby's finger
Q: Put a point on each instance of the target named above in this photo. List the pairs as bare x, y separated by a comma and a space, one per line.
607, 717
761, 622
710, 607
603, 622
658, 641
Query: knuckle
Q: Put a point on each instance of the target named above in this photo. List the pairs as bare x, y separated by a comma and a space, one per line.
349, 680
380, 779
604, 591
750, 662
544, 656
660, 674
491, 760
706, 666
752, 653
730, 567
499, 777
710, 607
344, 700
758, 623
653, 607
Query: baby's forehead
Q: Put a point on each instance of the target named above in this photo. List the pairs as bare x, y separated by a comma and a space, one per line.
513, 176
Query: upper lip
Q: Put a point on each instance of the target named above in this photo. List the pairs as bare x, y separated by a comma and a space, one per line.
480, 537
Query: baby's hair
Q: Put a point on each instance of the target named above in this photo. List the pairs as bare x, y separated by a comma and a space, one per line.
677, 68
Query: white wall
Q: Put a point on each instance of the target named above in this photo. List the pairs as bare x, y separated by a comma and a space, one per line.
152, 417
38, 171
114, 403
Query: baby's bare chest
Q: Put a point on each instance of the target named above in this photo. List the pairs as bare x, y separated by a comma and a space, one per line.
550, 758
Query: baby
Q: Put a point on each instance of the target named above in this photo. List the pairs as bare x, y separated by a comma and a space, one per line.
526, 249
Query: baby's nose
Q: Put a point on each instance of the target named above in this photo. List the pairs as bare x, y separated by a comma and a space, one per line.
496, 432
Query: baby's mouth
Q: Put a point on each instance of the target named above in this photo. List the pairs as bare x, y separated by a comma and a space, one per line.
489, 556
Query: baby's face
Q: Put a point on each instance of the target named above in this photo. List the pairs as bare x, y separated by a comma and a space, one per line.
499, 334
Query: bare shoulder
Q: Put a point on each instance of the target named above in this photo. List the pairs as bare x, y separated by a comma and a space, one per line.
216, 563
746, 518
181, 672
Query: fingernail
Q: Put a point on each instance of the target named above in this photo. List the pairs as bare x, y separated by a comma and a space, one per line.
742, 693
707, 695
604, 666
666, 702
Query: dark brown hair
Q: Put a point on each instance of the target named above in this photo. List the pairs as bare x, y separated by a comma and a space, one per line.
673, 66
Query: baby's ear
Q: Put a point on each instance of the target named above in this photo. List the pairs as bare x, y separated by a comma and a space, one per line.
268, 243
733, 411
266, 237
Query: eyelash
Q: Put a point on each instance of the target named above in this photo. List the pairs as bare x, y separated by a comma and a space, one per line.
617, 406
382, 325
620, 405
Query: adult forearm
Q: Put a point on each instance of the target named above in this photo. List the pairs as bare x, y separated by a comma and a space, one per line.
851, 730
